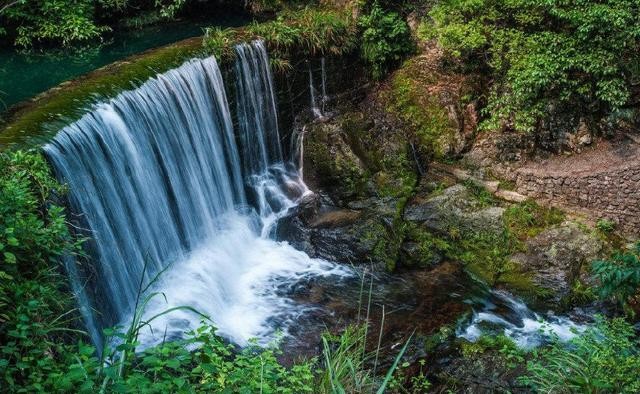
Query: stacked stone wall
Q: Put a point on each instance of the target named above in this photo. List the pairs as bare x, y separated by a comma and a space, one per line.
612, 195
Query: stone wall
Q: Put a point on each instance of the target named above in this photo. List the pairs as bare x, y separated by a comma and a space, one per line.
611, 194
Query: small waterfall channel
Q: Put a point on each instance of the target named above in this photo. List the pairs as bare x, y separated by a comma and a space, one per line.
166, 186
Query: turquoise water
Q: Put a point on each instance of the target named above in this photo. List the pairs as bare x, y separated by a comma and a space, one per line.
25, 75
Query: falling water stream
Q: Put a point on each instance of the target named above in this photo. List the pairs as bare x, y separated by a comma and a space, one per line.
163, 185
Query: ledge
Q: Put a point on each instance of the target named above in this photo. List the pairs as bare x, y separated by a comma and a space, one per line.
35, 121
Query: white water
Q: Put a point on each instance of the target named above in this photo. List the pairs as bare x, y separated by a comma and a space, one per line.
161, 182
502, 313
318, 110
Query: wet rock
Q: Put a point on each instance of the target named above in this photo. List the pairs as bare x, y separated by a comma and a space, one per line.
353, 235
555, 257
331, 164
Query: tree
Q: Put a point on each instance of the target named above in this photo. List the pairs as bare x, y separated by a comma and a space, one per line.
544, 54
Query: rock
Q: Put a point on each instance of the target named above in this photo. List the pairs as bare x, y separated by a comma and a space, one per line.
330, 162
455, 206
412, 256
358, 234
556, 256
339, 218
510, 196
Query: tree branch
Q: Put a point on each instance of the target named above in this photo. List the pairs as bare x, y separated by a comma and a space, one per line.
6, 6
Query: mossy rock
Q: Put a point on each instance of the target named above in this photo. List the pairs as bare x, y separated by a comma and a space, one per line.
434, 106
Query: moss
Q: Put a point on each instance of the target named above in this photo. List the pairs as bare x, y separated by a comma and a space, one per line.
528, 219
430, 248
386, 244
480, 194
40, 119
422, 112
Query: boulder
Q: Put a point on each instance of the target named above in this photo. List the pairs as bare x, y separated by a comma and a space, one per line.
555, 257
454, 206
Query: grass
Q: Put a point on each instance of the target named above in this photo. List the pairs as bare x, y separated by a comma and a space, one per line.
528, 219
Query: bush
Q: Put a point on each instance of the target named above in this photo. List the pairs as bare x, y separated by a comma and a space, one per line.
67, 22
605, 226
604, 359
386, 40
308, 31
619, 277
36, 315
544, 54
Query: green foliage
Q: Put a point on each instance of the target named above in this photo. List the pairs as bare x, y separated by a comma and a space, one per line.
220, 42
346, 360
528, 219
509, 351
213, 366
311, 31
604, 359
386, 40
35, 307
619, 277
68, 22
54, 21
605, 226
307, 31
541, 54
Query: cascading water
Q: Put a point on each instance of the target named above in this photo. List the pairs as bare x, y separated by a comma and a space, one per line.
162, 185
499, 312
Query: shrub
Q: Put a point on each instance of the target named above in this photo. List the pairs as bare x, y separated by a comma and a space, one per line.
604, 359
36, 309
545, 54
619, 277
386, 40
310, 30
606, 226
67, 22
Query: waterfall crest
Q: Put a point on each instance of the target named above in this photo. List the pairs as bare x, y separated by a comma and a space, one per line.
159, 179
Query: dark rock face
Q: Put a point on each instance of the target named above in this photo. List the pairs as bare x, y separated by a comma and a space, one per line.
556, 256
323, 230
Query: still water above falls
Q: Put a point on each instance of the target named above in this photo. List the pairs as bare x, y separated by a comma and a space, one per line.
24, 74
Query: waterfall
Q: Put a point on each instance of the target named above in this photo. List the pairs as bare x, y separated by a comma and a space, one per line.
159, 178
325, 98
318, 109
315, 109
257, 113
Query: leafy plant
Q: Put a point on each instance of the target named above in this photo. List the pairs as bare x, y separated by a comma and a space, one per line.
386, 39
67, 22
36, 309
619, 277
606, 226
604, 359
541, 55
